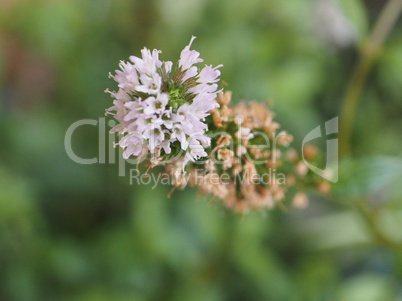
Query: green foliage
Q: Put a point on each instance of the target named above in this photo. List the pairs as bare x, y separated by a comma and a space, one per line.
356, 12
81, 232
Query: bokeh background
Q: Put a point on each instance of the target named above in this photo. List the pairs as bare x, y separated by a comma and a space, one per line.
81, 232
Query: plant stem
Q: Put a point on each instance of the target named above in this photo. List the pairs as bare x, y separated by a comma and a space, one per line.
368, 56
370, 219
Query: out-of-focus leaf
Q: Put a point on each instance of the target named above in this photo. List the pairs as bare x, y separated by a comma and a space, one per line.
355, 11
367, 176
390, 222
367, 287
338, 230
19, 216
390, 66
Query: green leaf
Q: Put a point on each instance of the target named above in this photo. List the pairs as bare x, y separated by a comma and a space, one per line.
356, 13
367, 176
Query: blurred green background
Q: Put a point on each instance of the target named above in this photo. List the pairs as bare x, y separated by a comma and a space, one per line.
81, 232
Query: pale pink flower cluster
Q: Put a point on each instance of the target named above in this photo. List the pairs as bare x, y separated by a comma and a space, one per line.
158, 109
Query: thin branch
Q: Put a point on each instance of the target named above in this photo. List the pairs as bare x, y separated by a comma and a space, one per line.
369, 54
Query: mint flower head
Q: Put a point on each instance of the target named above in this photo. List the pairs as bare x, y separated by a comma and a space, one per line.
162, 110
235, 153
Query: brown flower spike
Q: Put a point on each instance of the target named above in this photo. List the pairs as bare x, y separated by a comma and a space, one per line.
245, 168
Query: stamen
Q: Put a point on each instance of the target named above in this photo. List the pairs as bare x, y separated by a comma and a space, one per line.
139, 158
191, 41
149, 168
214, 150
171, 192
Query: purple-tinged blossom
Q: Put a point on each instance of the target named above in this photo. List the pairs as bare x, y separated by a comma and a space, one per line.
157, 107
209, 75
189, 57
